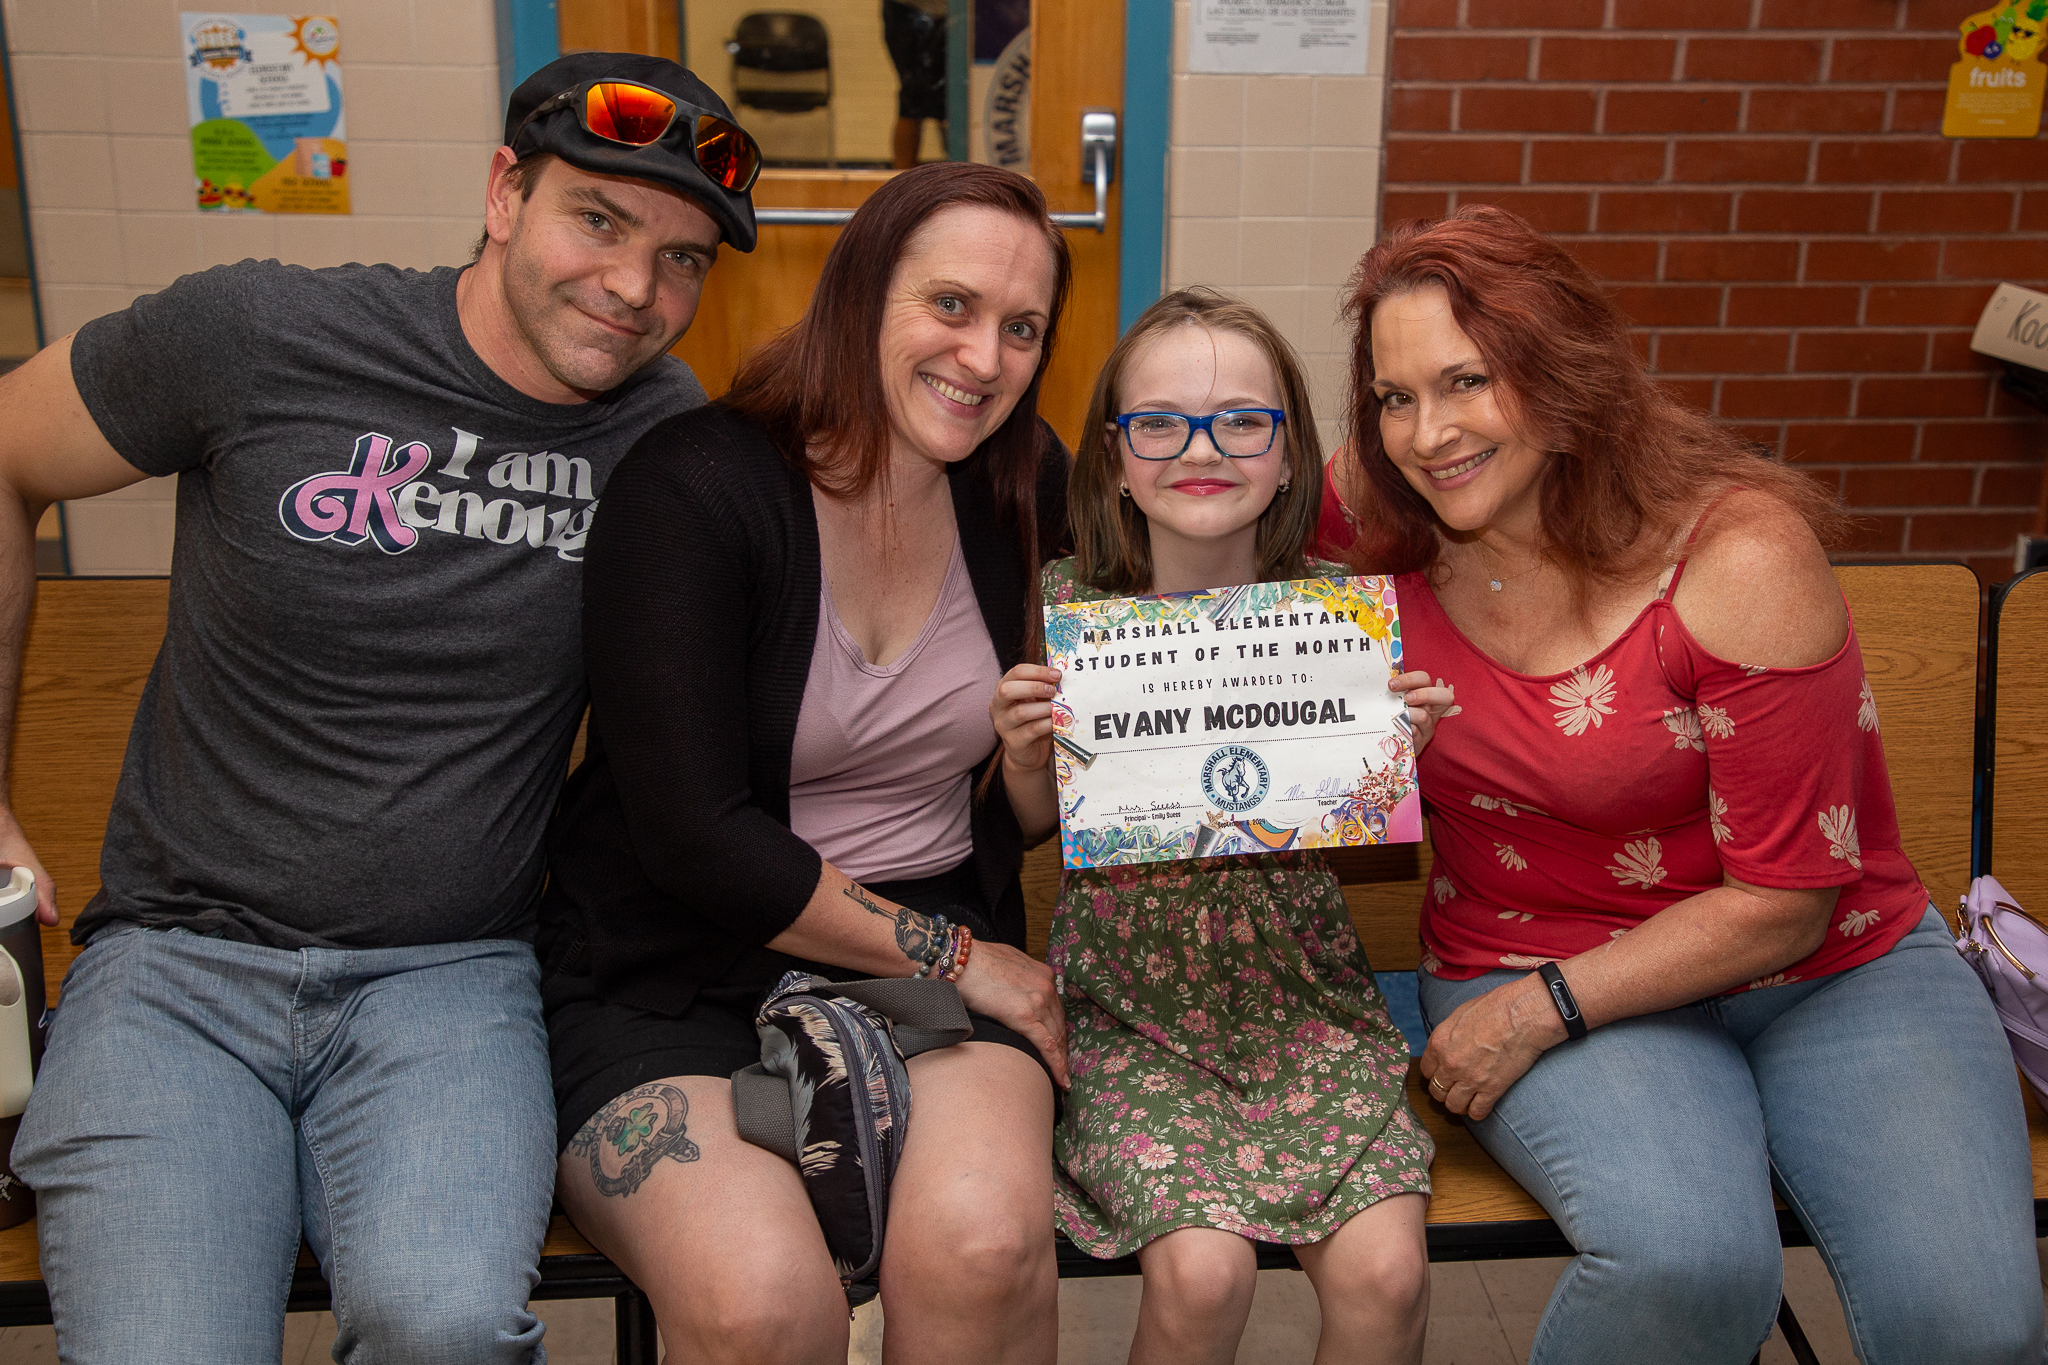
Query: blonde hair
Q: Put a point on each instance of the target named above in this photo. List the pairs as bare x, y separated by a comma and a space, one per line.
1112, 542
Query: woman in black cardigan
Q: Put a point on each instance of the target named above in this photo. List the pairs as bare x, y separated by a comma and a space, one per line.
790, 601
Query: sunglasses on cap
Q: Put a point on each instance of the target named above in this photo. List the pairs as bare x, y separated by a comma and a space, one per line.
636, 115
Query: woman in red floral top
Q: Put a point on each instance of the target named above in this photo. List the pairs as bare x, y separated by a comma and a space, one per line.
1667, 794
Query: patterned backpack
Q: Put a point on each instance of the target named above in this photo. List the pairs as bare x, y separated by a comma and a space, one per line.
831, 1095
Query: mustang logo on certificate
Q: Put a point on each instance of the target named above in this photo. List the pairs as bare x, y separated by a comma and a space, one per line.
1228, 721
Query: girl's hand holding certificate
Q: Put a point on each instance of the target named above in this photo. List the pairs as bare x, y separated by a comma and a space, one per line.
1427, 704
1022, 711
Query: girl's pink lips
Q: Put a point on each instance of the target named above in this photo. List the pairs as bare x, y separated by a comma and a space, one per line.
1202, 488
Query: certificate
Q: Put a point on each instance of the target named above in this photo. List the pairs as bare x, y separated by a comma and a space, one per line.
1232, 720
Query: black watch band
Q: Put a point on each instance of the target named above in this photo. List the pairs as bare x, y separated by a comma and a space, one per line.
1561, 996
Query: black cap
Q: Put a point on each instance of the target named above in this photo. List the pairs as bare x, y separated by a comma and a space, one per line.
667, 162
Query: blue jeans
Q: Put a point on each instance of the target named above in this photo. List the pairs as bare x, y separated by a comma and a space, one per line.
203, 1102
1881, 1102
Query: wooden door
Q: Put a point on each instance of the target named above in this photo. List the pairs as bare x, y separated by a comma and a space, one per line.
618, 26
1077, 52
1077, 63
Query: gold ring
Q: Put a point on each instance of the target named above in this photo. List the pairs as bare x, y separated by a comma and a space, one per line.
1434, 1082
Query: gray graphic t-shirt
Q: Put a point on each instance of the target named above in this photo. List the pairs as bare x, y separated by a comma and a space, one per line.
365, 700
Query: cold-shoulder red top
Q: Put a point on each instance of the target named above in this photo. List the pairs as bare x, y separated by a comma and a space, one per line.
1564, 810
1567, 809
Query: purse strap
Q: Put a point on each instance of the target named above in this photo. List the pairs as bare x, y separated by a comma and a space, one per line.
761, 1110
923, 1014
2027, 1032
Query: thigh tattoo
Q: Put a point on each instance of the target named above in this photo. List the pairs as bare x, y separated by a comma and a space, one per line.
628, 1136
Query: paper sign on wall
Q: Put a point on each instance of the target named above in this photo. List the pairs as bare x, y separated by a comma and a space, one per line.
263, 94
1995, 89
1278, 37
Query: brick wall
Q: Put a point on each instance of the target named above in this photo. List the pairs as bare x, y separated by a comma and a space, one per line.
1768, 192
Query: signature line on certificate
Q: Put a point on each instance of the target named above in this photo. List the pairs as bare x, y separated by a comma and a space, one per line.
1064, 743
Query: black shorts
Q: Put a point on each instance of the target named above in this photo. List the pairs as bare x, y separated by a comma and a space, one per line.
600, 1049
917, 47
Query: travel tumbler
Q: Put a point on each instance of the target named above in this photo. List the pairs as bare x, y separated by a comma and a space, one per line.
21, 1029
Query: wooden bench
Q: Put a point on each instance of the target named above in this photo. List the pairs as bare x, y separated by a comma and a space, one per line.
92, 641
2016, 776
2015, 765
89, 651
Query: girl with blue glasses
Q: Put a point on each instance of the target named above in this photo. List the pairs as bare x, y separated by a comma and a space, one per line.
1236, 1078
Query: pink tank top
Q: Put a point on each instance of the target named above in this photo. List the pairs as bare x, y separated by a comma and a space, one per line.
880, 775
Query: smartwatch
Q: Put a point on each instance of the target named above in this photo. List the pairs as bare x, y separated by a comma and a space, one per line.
1561, 996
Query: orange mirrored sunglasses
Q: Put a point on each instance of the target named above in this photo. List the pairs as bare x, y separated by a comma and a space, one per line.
636, 115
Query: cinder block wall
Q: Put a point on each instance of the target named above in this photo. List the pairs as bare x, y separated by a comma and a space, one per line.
1273, 189
99, 86
1765, 185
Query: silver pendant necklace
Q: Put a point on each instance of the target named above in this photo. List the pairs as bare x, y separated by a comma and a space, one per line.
1494, 581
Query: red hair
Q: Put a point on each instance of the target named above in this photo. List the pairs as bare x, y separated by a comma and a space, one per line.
1629, 465
819, 384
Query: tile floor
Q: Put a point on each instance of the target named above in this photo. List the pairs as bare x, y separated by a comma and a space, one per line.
1480, 1314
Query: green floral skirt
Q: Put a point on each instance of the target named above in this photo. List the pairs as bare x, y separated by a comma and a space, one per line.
1234, 1064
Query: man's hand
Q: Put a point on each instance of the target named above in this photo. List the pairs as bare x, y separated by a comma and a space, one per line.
15, 852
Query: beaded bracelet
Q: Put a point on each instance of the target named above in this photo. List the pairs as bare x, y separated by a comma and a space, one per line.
948, 961
943, 965
965, 937
940, 946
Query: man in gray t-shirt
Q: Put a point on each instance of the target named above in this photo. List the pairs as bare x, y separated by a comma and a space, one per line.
307, 1004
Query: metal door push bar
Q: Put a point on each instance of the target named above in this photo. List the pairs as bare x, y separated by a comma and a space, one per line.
1098, 162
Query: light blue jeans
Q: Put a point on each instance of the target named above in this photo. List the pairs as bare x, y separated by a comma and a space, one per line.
203, 1102
1880, 1101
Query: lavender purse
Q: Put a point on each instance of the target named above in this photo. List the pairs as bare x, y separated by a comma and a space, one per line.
2009, 949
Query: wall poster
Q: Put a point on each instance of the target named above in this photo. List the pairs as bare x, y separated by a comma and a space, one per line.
1279, 37
263, 95
1235, 720
1994, 90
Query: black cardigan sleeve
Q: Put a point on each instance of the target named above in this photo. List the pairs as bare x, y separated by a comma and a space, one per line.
687, 564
